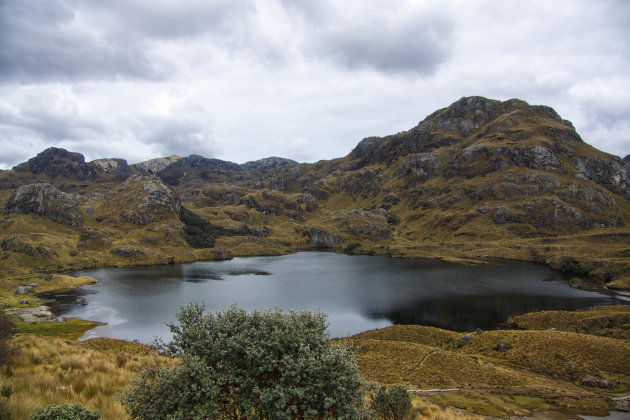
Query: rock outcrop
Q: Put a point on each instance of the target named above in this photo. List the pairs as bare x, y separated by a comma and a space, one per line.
153, 166
267, 164
46, 200
322, 239
145, 200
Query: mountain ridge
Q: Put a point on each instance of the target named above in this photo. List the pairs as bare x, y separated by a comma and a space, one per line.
476, 173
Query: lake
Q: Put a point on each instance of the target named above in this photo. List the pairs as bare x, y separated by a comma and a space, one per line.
357, 292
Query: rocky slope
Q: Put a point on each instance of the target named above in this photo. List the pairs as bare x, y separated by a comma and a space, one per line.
478, 178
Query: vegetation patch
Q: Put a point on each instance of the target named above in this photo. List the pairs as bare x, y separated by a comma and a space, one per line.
497, 373
606, 321
49, 370
200, 233
69, 329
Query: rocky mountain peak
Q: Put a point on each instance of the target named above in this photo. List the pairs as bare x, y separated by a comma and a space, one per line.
55, 161
470, 120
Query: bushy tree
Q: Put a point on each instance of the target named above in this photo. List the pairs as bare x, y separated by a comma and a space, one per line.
66, 412
235, 365
394, 404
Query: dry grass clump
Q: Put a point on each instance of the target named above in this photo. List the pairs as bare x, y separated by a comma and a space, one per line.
607, 321
54, 371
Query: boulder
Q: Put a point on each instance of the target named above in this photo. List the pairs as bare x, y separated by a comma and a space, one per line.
24, 290
465, 340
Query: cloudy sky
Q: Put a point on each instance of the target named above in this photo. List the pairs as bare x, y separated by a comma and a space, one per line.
305, 79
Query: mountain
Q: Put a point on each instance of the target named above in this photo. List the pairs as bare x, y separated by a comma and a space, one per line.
478, 178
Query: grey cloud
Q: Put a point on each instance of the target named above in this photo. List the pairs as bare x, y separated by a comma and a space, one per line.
48, 117
178, 136
385, 36
47, 40
172, 20
409, 49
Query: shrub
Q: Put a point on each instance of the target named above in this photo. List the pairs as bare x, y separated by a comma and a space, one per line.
65, 412
236, 364
392, 405
393, 218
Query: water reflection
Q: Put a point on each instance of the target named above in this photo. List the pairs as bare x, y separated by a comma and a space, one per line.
357, 292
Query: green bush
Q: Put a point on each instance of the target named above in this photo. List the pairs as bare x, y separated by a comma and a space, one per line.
65, 412
392, 405
236, 364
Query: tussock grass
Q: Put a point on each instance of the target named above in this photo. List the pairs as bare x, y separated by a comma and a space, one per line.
540, 371
54, 371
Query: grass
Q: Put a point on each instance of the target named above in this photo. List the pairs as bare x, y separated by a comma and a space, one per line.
533, 375
606, 321
69, 329
50, 370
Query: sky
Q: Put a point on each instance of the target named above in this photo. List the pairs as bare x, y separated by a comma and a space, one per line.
240, 80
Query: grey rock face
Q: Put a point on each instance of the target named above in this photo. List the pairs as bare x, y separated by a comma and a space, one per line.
46, 200
323, 239
537, 157
613, 174
114, 166
153, 166
422, 165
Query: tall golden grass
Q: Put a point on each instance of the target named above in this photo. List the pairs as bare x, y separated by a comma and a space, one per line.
53, 371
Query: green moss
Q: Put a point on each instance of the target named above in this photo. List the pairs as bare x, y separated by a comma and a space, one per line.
70, 329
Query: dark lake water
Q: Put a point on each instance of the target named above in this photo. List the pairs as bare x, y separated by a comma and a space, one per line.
357, 292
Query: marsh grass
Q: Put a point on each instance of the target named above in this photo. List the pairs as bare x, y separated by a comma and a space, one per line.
70, 329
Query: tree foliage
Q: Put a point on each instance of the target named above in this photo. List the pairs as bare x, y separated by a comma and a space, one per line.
236, 364
66, 412
394, 404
